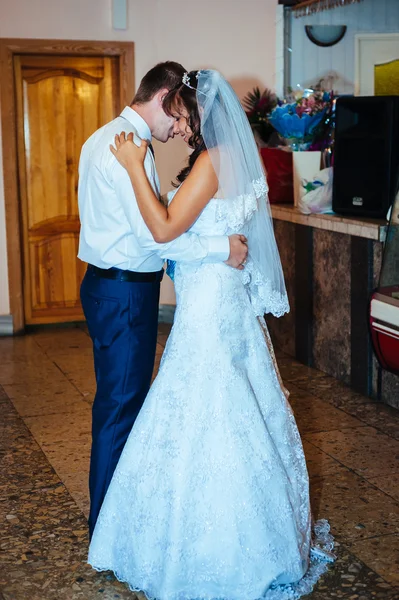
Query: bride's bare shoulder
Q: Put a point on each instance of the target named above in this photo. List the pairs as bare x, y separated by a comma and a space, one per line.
204, 165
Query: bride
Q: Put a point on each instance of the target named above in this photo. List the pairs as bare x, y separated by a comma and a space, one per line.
210, 498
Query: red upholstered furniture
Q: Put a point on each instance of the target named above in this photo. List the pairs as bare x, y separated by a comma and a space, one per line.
384, 326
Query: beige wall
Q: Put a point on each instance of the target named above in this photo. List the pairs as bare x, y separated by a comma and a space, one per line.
235, 36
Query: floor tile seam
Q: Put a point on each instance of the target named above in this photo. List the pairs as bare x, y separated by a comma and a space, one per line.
47, 461
24, 399
346, 411
320, 396
88, 402
51, 414
377, 536
313, 393
383, 491
343, 465
350, 550
358, 475
362, 426
55, 441
362, 476
24, 417
29, 382
67, 473
381, 476
310, 376
367, 422
65, 476
71, 382
335, 429
67, 378
380, 429
23, 363
36, 342
21, 419
341, 429
29, 395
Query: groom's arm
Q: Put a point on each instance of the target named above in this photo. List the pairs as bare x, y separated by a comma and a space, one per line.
189, 247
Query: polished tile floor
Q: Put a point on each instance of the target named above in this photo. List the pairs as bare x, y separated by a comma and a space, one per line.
47, 387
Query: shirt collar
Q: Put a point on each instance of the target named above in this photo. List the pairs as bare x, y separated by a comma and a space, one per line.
138, 122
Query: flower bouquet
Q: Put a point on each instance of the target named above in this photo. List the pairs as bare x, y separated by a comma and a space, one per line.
304, 121
300, 117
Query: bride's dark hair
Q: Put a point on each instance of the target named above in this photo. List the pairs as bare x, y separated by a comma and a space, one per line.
180, 96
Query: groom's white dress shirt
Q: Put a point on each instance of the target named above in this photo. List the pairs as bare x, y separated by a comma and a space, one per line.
113, 232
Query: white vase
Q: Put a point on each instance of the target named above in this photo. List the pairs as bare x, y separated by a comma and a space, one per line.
305, 165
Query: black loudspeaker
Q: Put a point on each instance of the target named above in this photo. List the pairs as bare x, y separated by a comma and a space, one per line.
366, 156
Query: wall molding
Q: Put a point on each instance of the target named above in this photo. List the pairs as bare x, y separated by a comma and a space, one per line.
166, 313
6, 325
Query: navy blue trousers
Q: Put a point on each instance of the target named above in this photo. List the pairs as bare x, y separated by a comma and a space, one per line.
122, 318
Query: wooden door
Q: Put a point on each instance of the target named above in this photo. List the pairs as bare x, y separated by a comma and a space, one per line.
61, 101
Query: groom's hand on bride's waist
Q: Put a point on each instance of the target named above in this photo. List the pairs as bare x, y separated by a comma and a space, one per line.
238, 251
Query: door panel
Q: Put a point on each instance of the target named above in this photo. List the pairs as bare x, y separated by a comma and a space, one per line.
61, 102
57, 279
386, 78
376, 63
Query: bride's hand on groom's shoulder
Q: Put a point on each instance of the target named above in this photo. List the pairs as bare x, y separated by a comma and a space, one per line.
127, 152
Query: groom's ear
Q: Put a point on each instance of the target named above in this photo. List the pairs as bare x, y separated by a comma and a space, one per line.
161, 95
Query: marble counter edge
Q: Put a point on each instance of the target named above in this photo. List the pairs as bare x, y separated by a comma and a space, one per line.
364, 228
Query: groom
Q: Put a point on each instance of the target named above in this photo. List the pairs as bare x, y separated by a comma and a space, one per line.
120, 291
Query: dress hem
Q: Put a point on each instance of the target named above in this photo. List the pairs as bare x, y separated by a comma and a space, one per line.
320, 556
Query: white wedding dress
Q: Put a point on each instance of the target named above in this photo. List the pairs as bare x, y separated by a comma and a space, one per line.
210, 498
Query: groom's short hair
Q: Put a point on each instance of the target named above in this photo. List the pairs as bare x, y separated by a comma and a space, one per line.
164, 75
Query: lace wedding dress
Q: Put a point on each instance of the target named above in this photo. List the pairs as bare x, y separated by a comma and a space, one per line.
210, 499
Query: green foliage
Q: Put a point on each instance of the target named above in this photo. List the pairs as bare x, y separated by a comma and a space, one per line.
258, 106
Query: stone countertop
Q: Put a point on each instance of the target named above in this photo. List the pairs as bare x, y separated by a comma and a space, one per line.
372, 229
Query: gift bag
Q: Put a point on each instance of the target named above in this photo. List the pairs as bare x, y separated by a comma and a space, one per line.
317, 193
278, 166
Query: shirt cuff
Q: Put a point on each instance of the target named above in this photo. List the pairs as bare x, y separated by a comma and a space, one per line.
218, 248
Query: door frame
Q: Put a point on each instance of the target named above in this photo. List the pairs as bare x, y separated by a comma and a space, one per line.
368, 37
9, 47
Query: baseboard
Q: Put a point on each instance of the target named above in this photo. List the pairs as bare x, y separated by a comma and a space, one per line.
166, 313
6, 325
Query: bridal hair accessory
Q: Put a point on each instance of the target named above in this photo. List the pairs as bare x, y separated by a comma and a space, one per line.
186, 79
